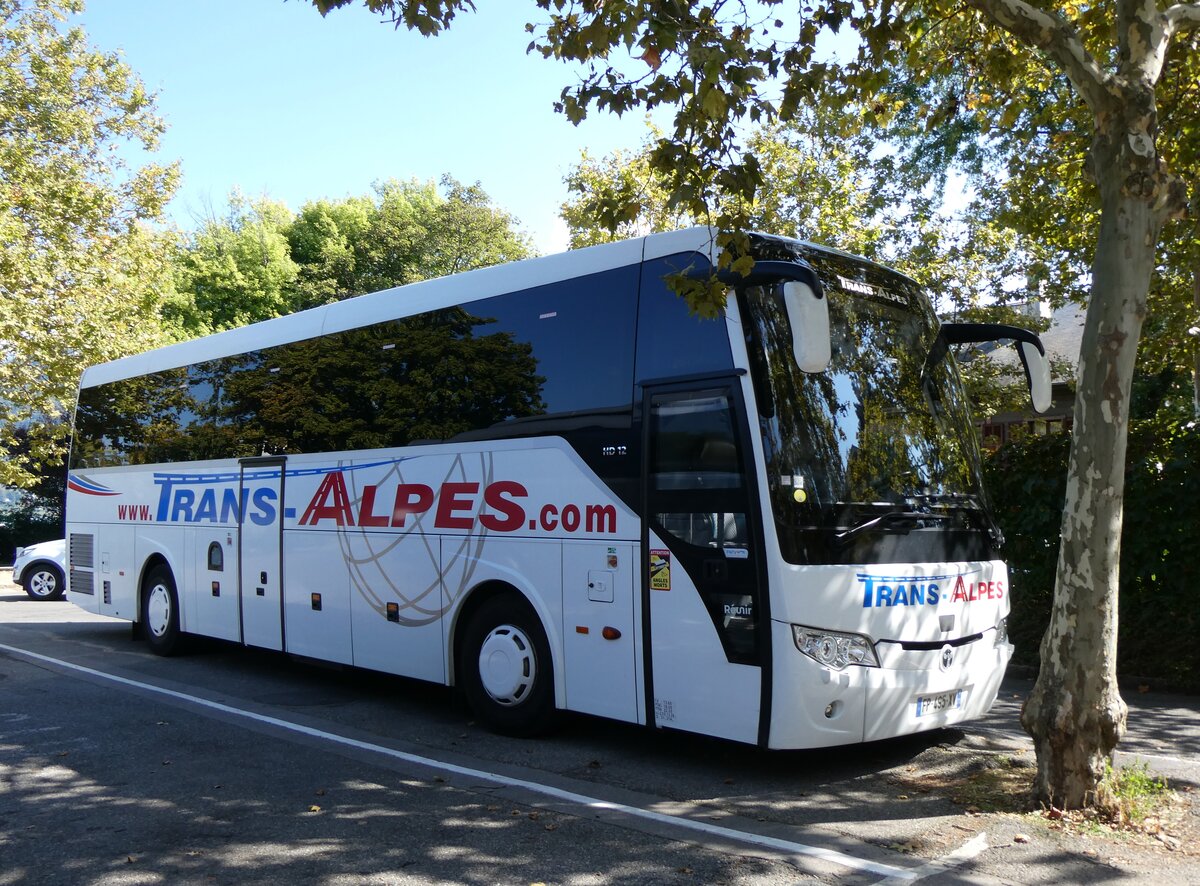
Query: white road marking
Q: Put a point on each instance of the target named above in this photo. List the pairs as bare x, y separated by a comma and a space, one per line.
963, 853
893, 874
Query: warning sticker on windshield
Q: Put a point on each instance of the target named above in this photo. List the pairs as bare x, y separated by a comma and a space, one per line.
660, 570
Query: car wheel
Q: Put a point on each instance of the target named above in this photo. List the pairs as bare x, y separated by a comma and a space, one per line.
43, 581
507, 673
160, 612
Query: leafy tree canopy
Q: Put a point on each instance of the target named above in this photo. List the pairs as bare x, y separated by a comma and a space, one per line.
260, 261
81, 277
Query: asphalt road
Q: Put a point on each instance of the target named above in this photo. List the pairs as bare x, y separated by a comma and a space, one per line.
230, 765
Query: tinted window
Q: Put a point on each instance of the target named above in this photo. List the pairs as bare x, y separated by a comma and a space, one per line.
544, 360
699, 503
671, 341
580, 333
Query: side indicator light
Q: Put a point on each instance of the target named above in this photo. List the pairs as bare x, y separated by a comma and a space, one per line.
610, 634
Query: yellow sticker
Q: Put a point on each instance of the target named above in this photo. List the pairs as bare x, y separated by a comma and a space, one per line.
660, 570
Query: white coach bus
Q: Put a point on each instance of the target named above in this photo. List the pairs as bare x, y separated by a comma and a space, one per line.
550, 485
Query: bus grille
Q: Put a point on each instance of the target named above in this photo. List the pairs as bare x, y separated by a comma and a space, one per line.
83, 582
82, 551
82, 562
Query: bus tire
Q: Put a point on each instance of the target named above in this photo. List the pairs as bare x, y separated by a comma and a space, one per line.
160, 612
507, 672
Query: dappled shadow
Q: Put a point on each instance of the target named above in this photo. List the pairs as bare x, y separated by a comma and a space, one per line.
242, 829
223, 805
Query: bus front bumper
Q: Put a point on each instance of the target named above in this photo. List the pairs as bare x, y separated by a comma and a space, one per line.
912, 691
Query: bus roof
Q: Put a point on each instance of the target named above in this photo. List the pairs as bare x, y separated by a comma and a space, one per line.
403, 301
416, 298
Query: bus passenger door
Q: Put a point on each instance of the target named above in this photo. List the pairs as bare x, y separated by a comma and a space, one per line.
261, 544
703, 593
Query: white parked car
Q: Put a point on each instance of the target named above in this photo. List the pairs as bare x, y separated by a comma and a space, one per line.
41, 569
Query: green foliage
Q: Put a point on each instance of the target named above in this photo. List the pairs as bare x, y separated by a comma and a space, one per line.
261, 261
36, 513
1159, 571
1133, 793
81, 277
235, 270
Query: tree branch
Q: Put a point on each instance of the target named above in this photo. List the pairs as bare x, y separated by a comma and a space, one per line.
1057, 39
1143, 37
1182, 17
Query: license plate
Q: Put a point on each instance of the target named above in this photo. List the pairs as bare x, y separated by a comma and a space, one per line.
943, 701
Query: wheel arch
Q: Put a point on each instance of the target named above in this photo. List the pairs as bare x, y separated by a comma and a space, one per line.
476, 598
33, 566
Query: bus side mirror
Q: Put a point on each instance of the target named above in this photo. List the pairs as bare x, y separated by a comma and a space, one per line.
1029, 348
808, 315
1037, 373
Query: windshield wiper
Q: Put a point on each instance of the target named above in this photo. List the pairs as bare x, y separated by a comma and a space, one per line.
967, 502
883, 521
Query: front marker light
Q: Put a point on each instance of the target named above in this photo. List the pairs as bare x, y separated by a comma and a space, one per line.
834, 649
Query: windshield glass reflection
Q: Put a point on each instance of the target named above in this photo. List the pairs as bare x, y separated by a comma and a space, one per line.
881, 430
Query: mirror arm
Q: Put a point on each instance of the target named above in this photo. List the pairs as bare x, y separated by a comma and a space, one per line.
970, 333
765, 272
1038, 379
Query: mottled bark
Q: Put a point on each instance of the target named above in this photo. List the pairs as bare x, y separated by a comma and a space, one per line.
1075, 713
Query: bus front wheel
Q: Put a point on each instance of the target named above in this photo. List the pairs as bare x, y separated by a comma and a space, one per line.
160, 612
506, 669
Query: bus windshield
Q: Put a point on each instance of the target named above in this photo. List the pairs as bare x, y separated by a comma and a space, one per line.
882, 432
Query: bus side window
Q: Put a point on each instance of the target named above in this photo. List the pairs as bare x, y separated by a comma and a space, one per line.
671, 340
216, 557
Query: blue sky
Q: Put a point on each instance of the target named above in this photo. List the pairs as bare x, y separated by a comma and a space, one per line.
269, 97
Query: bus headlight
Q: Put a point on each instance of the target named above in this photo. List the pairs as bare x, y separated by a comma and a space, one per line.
834, 649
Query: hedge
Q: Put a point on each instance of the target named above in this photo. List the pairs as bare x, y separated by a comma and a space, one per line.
1160, 546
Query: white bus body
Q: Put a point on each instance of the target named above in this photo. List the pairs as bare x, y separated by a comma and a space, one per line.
545, 483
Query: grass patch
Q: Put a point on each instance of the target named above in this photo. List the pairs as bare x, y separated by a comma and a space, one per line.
1134, 795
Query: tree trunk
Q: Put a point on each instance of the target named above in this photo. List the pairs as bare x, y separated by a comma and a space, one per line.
1075, 713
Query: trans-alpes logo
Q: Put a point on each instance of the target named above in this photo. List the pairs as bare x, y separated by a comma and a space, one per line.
340, 501
881, 591
80, 483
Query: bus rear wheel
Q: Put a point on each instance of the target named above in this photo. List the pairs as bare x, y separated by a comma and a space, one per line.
160, 612
507, 673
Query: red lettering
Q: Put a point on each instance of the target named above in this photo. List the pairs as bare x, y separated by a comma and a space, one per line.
366, 506
330, 503
549, 518
570, 518
601, 518
411, 498
513, 514
449, 502
973, 590
959, 591
999, 590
